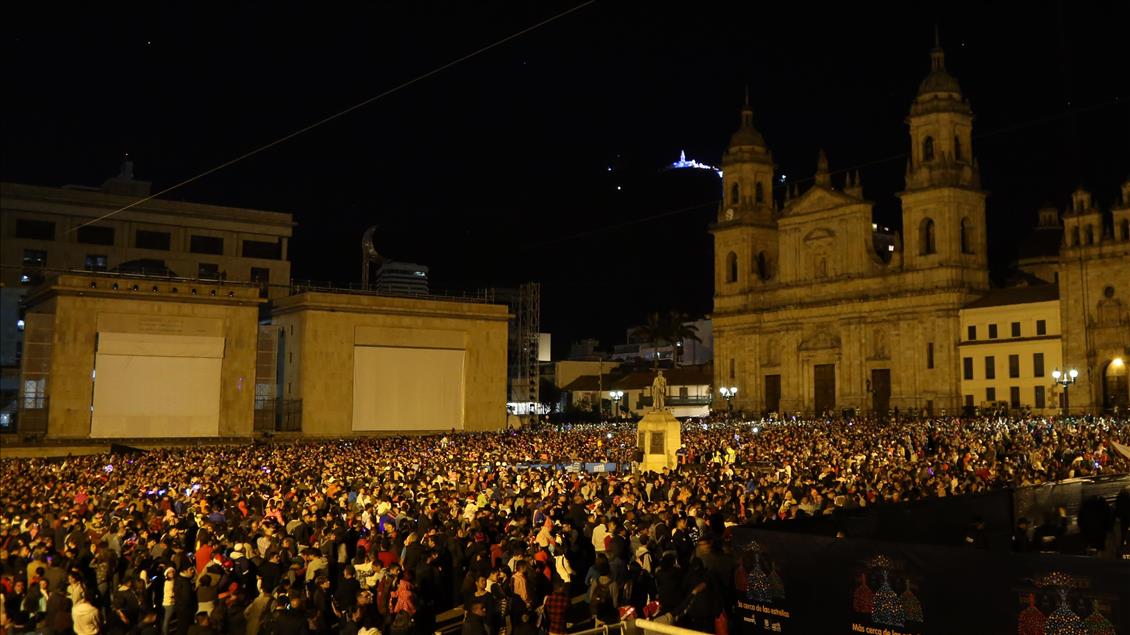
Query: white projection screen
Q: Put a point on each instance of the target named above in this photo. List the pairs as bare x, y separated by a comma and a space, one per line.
396, 388
149, 385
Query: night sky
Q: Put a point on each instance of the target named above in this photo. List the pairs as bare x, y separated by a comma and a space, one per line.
496, 171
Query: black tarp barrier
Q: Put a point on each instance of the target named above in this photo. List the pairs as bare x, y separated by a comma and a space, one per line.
813, 584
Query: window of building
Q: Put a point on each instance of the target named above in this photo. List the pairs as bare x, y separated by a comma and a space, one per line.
990, 394
929, 354
684, 392
1014, 396
972, 332
926, 237
261, 275
1014, 366
95, 262
966, 236
145, 239
957, 147
1075, 236
992, 331
763, 265
928, 149
1038, 364
735, 194
1125, 231
967, 367
206, 245
733, 368
35, 258
1016, 329
1039, 397
1090, 235
968, 401
96, 235
208, 271
1041, 327
990, 367
35, 229
759, 193
731, 267
262, 249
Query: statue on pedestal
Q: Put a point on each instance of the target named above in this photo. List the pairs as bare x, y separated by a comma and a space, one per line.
658, 392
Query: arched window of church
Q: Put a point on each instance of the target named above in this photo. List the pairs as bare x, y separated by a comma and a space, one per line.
1125, 229
1090, 234
966, 236
928, 149
821, 267
763, 265
957, 147
926, 240
731, 267
1075, 236
735, 194
759, 193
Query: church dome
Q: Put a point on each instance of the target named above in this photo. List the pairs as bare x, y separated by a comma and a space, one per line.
939, 81
747, 136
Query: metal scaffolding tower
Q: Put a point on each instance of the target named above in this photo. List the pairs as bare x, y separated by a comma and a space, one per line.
527, 309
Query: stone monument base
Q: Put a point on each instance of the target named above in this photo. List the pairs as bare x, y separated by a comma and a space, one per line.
658, 437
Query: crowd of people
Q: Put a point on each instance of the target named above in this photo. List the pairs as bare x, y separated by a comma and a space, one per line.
385, 534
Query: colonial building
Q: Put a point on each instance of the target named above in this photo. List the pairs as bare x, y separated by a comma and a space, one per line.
1094, 293
1010, 344
817, 309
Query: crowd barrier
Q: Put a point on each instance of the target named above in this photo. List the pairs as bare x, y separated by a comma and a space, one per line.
814, 584
949, 520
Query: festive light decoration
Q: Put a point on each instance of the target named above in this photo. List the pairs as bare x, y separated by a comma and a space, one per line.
1031, 620
1097, 623
776, 584
887, 609
862, 601
912, 605
757, 584
1064, 621
683, 164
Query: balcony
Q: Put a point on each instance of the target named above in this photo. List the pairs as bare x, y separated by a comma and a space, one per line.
645, 401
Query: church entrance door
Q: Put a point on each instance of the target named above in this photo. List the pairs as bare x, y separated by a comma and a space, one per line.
773, 393
880, 390
824, 376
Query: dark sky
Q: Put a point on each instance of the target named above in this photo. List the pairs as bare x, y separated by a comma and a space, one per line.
495, 171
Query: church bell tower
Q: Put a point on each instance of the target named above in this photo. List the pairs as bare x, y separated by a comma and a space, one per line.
745, 235
943, 204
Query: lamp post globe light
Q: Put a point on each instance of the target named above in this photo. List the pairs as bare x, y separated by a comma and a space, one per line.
1065, 379
728, 393
616, 396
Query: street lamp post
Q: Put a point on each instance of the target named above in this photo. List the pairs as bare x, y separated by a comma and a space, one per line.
616, 395
1065, 379
728, 393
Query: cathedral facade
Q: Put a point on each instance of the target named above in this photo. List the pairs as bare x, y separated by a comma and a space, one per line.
817, 309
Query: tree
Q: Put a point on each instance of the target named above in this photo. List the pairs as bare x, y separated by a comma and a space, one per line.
676, 330
671, 329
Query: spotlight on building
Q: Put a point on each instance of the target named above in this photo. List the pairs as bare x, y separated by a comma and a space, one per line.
212, 292
1117, 362
115, 286
154, 288
231, 294
93, 284
135, 287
